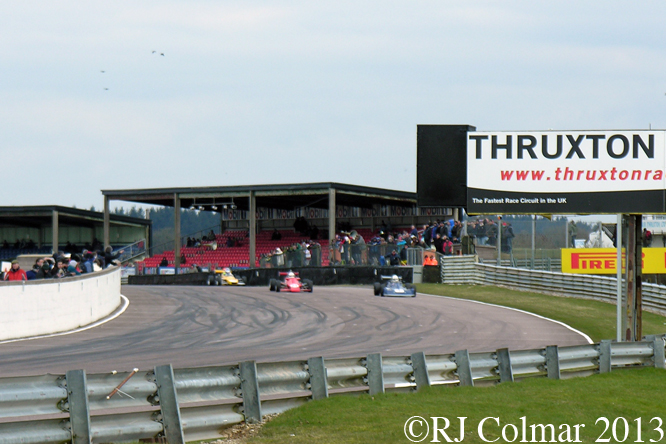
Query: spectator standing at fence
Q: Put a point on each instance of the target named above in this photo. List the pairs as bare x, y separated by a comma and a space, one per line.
481, 236
15, 273
88, 259
279, 257
456, 232
491, 232
37, 266
59, 269
573, 232
43, 273
108, 256
393, 258
427, 235
438, 243
647, 237
447, 246
72, 270
507, 237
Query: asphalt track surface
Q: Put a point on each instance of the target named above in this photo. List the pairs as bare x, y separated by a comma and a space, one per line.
203, 326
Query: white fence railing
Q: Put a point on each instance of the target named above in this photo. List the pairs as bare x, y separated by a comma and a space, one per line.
199, 403
465, 270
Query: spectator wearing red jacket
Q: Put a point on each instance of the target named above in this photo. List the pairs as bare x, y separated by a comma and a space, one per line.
15, 273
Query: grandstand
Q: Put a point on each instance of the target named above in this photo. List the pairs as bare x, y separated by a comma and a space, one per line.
253, 212
236, 256
28, 230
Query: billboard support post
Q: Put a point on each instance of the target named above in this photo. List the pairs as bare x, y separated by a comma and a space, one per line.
632, 314
618, 244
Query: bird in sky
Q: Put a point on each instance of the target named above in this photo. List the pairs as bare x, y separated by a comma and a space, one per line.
154, 52
162, 54
102, 72
106, 89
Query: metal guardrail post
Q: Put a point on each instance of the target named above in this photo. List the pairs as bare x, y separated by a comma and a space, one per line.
166, 390
464, 368
553, 362
318, 380
605, 356
79, 411
250, 389
659, 352
420, 370
375, 373
504, 365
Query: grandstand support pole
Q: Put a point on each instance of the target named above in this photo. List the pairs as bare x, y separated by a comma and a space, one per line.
331, 217
176, 231
54, 231
107, 223
252, 218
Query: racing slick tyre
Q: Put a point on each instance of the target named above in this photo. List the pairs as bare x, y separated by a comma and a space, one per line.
218, 280
271, 285
308, 283
210, 280
378, 288
276, 285
411, 287
381, 292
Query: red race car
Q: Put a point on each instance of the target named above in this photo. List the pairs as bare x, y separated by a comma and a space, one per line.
289, 281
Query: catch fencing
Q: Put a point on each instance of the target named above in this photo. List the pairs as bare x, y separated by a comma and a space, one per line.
200, 403
465, 270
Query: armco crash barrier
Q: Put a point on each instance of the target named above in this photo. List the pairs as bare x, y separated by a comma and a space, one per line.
199, 403
262, 276
465, 270
53, 305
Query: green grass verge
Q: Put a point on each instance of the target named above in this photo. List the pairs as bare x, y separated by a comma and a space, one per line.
629, 394
594, 318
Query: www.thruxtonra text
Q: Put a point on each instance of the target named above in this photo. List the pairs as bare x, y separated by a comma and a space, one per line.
568, 174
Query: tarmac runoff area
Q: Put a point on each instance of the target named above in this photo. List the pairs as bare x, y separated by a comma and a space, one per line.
206, 326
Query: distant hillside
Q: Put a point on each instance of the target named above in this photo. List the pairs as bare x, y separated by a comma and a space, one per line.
192, 224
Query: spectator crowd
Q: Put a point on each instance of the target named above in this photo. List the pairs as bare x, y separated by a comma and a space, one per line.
63, 264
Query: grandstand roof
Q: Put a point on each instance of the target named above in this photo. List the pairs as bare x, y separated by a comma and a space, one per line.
38, 216
282, 196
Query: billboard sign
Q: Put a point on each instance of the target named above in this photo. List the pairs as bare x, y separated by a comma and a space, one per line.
604, 260
566, 172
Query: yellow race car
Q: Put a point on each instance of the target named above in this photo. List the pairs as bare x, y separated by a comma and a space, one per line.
226, 277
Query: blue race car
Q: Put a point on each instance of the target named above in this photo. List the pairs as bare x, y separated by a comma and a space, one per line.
393, 286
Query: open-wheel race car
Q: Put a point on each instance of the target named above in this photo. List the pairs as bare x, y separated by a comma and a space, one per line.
393, 286
226, 277
289, 281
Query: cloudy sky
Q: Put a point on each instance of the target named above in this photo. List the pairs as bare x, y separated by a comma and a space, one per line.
284, 92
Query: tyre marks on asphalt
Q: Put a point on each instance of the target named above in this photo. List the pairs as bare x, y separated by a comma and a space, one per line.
202, 326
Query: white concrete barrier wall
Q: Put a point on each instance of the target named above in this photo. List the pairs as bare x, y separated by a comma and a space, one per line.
51, 306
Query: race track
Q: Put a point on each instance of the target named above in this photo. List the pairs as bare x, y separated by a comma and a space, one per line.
199, 326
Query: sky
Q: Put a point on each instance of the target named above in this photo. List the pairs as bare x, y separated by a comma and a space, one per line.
289, 92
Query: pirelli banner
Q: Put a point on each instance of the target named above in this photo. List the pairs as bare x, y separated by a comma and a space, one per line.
604, 260
566, 172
